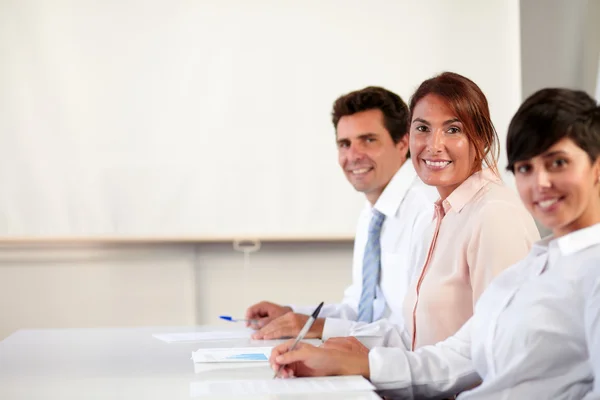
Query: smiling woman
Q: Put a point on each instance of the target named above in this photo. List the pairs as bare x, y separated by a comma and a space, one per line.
557, 173
452, 132
480, 226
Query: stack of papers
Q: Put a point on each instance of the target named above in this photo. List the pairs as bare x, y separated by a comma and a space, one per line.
241, 354
328, 384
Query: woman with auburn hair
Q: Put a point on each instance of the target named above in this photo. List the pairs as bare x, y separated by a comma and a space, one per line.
535, 332
480, 227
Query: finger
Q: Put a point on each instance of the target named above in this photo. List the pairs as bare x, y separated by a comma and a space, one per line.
277, 334
252, 311
286, 372
259, 310
283, 348
273, 330
282, 371
259, 323
301, 353
280, 349
260, 334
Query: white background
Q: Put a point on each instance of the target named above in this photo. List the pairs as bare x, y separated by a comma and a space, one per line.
212, 119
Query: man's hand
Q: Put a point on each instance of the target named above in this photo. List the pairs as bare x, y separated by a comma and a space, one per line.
348, 344
263, 313
308, 360
289, 325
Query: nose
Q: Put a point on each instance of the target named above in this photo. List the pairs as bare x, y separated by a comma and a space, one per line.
542, 179
436, 141
355, 153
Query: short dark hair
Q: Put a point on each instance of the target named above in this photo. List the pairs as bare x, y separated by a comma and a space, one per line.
466, 99
548, 116
394, 109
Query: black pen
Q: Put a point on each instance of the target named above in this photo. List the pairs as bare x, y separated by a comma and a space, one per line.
303, 332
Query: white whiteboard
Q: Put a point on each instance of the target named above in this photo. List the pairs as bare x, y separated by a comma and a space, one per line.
211, 118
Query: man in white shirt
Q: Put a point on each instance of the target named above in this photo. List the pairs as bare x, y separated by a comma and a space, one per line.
372, 139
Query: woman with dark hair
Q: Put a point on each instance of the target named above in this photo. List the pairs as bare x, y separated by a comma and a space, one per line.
535, 332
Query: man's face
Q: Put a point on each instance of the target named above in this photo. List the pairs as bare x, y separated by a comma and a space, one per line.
366, 152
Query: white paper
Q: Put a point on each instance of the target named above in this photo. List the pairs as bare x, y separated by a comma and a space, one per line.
203, 336
327, 384
202, 368
236, 355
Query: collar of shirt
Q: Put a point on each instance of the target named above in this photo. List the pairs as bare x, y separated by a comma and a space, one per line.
393, 194
463, 194
578, 240
566, 245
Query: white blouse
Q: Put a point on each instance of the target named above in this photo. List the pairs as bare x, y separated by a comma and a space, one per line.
535, 334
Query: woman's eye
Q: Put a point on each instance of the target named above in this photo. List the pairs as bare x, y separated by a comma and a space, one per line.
559, 163
454, 129
523, 169
421, 128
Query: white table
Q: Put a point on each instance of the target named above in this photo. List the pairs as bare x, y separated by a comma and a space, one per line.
119, 363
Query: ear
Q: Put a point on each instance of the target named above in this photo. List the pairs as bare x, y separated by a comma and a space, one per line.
402, 145
596, 170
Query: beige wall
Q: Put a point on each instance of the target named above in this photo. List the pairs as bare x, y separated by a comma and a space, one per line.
560, 44
173, 284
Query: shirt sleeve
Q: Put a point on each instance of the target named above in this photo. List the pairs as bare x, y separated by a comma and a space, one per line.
503, 237
379, 333
592, 326
434, 371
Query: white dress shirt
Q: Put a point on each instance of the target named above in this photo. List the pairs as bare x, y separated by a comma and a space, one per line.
535, 334
408, 207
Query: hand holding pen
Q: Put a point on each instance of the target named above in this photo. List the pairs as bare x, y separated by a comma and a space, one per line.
302, 333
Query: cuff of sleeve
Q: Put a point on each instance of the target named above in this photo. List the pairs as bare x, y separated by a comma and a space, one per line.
335, 327
389, 367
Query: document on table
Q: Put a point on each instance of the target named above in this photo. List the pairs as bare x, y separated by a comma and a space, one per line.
203, 336
241, 354
326, 384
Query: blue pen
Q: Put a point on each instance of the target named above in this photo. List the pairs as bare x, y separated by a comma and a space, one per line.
231, 319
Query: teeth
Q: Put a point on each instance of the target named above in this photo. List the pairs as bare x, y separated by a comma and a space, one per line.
360, 171
547, 203
439, 164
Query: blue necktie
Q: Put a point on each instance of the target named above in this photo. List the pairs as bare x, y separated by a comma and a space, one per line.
371, 268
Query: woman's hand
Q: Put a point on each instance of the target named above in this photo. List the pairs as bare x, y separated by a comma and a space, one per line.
308, 360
